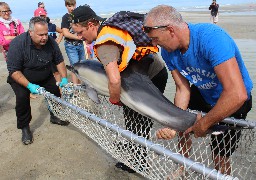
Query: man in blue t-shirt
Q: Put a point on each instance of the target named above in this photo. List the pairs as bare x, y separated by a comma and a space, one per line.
209, 73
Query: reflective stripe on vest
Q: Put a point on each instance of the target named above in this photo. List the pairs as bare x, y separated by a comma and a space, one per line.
124, 39
119, 37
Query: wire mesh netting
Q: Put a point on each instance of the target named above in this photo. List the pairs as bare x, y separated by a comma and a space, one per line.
130, 138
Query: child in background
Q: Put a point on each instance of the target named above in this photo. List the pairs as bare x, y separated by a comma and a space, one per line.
53, 30
73, 44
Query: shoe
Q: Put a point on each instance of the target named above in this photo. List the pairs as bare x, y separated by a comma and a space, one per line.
27, 137
56, 120
124, 167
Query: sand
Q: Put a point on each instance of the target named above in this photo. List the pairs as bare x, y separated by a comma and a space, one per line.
65, 152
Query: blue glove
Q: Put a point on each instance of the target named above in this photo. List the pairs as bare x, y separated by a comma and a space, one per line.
64, 82
33, 88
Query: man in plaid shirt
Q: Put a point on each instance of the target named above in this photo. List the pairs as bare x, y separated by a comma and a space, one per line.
119, 41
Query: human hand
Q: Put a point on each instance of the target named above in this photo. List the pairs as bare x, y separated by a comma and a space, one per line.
33, 88
198, 128
118, 103
64, 82
165, 133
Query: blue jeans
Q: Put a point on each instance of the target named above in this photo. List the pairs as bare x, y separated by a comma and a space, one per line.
75, 53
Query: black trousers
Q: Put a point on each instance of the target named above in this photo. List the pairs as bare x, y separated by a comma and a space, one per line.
224, 144
23, 109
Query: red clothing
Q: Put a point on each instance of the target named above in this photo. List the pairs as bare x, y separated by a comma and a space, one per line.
15, 28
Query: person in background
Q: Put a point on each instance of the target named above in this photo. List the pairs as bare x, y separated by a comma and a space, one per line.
40, 5
221, 85
29, 64
214, 7
120, 41
53, 30
9, 27
73, 44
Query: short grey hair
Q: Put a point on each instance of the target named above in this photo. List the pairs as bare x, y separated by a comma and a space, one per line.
163, 15
36, 20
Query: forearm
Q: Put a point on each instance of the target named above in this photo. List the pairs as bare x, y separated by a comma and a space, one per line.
9, 37
69, 35
181, 98
114, 83
62, 69
20, 78
59, 39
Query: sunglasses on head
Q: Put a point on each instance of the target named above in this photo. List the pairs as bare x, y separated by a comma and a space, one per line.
147, 29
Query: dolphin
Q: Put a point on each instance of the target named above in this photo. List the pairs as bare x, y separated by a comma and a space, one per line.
137, 92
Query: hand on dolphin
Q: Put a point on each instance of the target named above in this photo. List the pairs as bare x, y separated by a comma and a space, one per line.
118, 103
198, 127
165, 133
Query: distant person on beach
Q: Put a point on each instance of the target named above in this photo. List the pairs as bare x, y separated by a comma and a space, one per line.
29, 64
73, 44
221, 85
214, 7
9, 27
120, 41
40, 5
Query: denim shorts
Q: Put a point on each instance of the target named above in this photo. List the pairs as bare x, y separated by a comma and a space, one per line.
75, 53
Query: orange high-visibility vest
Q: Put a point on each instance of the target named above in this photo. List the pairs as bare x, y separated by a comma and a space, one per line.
123, 38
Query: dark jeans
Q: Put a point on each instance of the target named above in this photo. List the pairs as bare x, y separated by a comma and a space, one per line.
23, 109
224, 144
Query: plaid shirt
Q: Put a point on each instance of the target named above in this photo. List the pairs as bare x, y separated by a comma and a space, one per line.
131, 22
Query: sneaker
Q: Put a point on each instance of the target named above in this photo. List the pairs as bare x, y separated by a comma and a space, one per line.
27, 137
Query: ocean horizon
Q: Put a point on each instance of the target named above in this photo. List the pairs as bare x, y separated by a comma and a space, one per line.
24, 9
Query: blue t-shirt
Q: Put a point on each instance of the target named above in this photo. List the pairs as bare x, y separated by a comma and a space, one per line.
209, 46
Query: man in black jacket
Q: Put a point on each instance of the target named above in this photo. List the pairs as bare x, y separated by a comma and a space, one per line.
29, 64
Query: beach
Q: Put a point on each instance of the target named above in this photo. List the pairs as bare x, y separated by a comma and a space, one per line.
65, 152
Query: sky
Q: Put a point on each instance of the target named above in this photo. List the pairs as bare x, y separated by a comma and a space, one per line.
24, 9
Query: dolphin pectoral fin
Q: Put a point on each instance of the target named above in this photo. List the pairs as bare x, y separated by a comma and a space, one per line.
92, 94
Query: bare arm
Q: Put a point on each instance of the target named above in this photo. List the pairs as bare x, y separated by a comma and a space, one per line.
62, 69
182, 94
108, 53
20, 78
114, 83
9, 37
231, 99
69, 35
